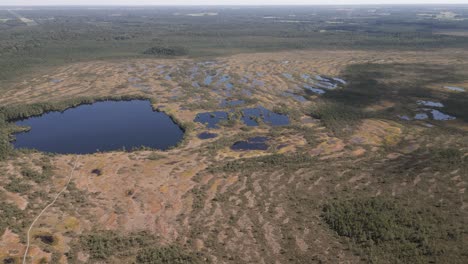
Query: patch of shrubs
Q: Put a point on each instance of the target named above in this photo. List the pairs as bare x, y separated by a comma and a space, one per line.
37, 176
384, 228
17, 185
298, 160
11, 217
338, 118
450, 157
104, 244
165, 51
144, 247
169, 255
155, 156
434, 159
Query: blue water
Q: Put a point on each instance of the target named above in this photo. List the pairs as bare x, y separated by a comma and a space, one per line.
250, 117
208, 80
103, 126
224, 78
207, 135
253, 143
271, 118
312, 89
288, 75
211, 119
229, 86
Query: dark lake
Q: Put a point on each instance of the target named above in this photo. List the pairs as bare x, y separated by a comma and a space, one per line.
253, 143
207, 135
102, 126
271, 118
211, 119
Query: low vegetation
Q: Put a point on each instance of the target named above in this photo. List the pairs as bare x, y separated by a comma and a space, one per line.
289, 162
141, 247
11, 217
64, 37
17, 185
35, 175
338, 118
169, 255
384, 228
165, 51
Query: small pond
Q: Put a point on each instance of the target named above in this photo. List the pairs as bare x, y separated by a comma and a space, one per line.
313, 90
437, 115
455, 88
430, 103
207, 135
102, 126
211, 119
253, 143
208, 80
252, 115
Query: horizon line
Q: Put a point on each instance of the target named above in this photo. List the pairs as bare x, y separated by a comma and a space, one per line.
237, 5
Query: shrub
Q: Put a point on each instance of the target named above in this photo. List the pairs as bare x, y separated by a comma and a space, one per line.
11, 217
386, 228
165, 51
269, 162
17, 185
104, 244
169, 255
35, 175
155, 156
338, 118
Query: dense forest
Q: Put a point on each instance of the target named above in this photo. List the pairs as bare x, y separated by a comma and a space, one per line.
67, 35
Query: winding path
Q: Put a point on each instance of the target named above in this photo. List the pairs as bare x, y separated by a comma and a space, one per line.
45, 208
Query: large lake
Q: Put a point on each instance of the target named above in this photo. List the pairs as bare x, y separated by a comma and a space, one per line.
102, 126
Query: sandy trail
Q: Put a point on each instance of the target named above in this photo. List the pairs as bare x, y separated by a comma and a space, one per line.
45, 209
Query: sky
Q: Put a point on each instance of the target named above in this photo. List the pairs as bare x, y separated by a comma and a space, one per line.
222, 2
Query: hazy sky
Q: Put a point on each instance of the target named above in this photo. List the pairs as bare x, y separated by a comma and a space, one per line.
222, 2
